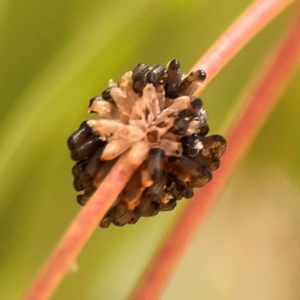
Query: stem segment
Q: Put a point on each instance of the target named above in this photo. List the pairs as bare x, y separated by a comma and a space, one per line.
82, 228
256, 17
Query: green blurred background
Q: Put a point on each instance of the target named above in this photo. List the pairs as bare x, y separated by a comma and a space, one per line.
55, 55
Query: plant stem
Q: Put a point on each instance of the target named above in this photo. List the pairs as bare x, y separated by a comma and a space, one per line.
261, 100
81, 229
256, 17
87, 221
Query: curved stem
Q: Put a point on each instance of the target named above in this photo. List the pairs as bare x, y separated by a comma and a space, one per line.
256, 17
262, 99
87, 221
81, 229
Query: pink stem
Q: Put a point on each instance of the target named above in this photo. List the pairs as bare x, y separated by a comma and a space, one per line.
256, 17
87, 221
261, 101
81, 229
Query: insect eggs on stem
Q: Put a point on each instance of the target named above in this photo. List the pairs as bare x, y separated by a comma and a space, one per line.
155, 114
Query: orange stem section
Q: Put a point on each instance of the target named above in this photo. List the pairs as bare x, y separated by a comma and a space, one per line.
87, 220
81, 229
261, 101
256, 17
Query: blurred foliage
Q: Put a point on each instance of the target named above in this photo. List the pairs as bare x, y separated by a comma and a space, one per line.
56, 55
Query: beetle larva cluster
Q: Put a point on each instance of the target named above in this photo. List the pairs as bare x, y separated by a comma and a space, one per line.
161, 109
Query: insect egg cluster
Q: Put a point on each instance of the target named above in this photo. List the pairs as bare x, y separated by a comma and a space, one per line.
158, 111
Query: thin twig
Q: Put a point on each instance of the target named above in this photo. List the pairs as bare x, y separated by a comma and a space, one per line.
261, 101
87, 221
256, 17
81, 229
